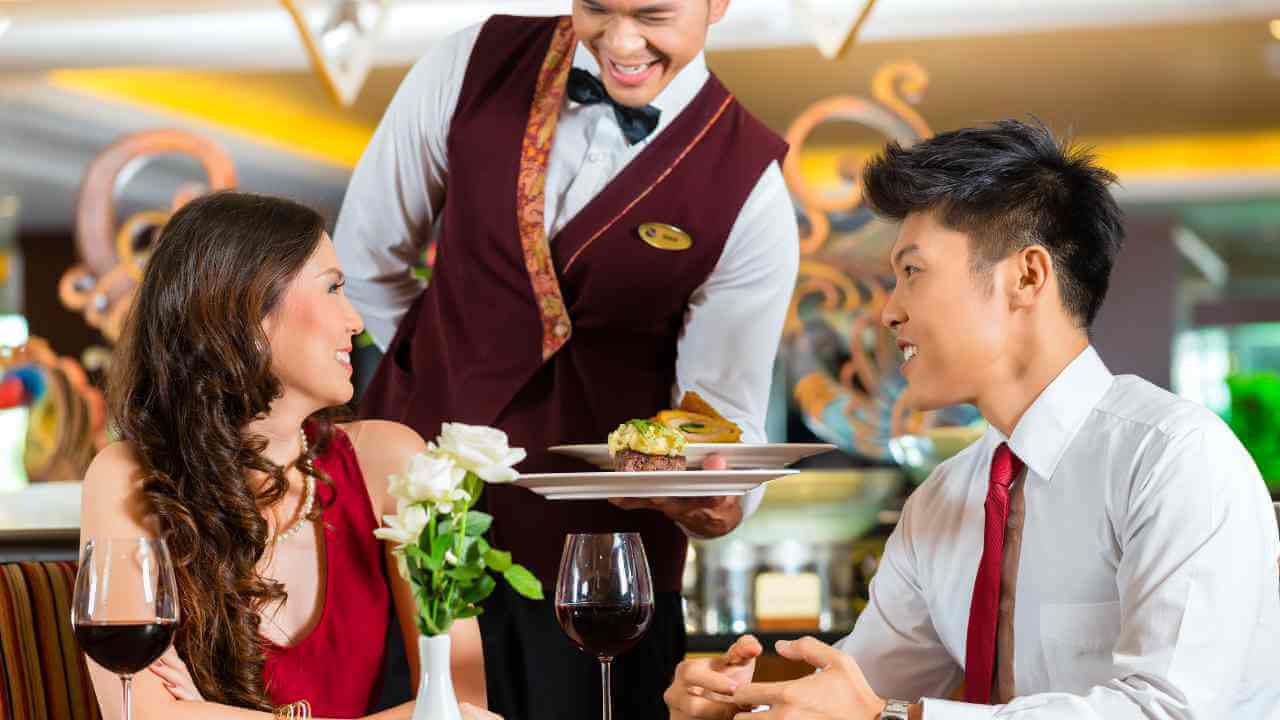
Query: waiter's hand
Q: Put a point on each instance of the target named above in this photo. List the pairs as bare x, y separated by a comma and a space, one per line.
838, 692
706, 517
703, 687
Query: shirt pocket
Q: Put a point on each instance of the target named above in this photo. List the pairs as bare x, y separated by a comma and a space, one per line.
1079, 641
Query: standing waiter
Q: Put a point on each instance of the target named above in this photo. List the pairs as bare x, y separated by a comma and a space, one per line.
533, 151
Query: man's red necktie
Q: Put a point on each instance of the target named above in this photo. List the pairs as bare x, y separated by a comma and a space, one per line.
980, 648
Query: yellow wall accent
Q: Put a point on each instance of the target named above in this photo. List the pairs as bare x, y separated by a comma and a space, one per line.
1192, 154
271, 111
260, 109
1172, 156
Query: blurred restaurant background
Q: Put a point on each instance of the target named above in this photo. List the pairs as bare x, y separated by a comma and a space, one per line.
113, 113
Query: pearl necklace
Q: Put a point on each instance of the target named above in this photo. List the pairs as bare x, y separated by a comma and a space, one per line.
308, 499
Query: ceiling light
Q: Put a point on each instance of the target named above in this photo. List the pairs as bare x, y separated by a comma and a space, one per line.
1275, 28
341, 51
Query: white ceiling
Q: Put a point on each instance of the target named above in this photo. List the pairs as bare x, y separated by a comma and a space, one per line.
257, 34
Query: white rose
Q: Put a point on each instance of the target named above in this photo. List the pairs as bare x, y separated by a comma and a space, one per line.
404, 527
432, 478
481, 450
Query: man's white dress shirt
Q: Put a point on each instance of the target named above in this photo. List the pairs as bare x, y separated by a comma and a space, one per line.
730, 337
1147, 585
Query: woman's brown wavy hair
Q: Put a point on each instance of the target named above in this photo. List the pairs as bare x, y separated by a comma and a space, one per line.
192, 369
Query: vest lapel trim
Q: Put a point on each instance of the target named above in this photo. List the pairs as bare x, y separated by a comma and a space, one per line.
548, 97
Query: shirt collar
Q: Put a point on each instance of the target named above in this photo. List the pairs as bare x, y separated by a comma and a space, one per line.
674, 98
1047, 427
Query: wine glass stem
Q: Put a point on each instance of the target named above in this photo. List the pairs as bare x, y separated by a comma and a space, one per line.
127, 681
606, 687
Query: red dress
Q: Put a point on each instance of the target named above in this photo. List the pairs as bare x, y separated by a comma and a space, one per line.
337, 666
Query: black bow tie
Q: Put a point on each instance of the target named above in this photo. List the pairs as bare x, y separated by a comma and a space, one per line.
636, 123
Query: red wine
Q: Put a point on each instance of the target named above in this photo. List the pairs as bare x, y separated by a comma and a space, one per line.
125, 648
604, 630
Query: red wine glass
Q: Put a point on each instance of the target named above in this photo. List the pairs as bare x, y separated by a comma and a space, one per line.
125, 609
604, 598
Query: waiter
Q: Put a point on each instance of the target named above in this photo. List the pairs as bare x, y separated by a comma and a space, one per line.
612, 230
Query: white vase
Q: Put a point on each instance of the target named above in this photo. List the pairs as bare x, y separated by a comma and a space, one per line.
436, 700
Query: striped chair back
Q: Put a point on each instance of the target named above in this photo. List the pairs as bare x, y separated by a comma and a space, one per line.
42, 671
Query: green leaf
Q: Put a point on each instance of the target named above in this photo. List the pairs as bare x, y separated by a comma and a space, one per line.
438, 549
445, 528
468, 612
499, 560
483, 545
474, 486
422, 559
425, 620
443, 619
478, 523
523, 582
472, 555
462, 573
480, 590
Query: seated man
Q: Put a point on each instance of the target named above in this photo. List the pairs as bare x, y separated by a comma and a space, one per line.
1106, 550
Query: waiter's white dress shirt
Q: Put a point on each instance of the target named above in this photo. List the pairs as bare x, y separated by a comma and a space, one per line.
730, 337
1147, 585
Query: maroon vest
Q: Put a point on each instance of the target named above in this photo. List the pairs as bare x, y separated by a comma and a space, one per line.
478, 345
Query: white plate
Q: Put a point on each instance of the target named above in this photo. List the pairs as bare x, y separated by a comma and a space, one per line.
682, 483
739, 456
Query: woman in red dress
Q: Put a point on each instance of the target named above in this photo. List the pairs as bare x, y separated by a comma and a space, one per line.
236, 351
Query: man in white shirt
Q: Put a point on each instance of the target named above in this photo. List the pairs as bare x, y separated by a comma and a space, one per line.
533, 152
1106, 550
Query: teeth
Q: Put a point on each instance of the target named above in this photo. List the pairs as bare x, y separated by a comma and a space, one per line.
632, 69
910, 351
344, 358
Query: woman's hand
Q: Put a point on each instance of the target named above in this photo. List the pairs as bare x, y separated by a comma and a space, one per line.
471, 712
175, 676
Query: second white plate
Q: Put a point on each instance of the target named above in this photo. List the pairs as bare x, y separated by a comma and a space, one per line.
739, 456
687, 483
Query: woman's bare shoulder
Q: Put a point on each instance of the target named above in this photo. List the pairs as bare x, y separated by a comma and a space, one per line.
115, 466
383, 448
383, 437
111, 499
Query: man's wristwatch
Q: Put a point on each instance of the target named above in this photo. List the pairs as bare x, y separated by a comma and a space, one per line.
895, 710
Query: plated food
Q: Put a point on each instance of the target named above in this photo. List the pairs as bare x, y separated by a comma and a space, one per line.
645, 445
699, 422
658, 443
650, 457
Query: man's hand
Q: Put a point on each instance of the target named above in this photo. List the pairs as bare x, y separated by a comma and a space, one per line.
838, 692
706, 517
703, 687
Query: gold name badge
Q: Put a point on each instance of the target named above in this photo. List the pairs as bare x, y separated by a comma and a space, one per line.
665, 237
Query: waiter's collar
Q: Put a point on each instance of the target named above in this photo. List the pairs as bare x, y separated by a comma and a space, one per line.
674, 98
1047, 427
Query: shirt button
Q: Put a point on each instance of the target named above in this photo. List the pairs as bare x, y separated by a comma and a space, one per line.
561, 329
593, 156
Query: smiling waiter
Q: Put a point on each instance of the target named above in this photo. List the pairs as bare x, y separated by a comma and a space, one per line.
612, 230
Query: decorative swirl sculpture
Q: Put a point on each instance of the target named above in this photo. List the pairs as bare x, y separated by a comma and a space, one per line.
67, 424
102, 285
842, 365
